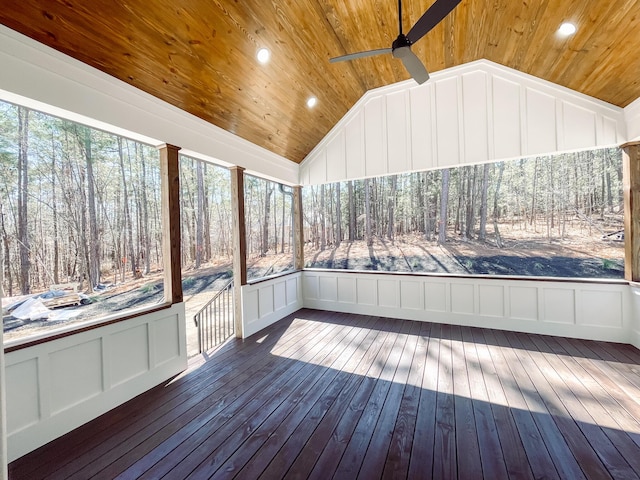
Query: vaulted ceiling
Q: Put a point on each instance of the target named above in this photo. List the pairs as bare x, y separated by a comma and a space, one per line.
200, 55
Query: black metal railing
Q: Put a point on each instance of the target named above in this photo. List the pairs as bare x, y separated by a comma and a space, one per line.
215, 321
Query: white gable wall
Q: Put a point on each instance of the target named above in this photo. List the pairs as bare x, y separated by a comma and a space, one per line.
474, 113
632, 117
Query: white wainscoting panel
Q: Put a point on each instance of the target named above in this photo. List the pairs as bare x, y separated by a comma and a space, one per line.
265, 302
59, 385
469, 114
598, 311
634, 335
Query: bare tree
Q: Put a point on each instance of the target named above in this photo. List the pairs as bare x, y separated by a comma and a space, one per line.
199, 214
482, 233
23, 195
352, 211
367, 210
392, 206
268, 190
444, 206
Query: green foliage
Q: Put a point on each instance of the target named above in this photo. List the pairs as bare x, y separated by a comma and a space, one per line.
149, 288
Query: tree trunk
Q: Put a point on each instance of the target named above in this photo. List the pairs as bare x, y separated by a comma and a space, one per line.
129, 252
367, 212
323, 227
426, 212
23, 195
470, 203
145, 217
482, 234
338, 216
93, 272
54, 215
199, 214
532, 221
268, 189
352, 211
444, 204
496, 196
7, 251
391, 207
283, 219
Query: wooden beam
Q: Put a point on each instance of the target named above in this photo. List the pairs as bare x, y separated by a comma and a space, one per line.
298, 230
239, 244
170, 193
631, 178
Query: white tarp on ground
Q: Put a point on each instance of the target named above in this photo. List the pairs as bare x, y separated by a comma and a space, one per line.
31, 309
34, 309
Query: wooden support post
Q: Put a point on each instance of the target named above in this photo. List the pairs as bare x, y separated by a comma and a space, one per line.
239, 244
631, 178
298, 230
170, 193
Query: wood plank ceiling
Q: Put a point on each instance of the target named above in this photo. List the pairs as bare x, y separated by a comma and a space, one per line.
200, 55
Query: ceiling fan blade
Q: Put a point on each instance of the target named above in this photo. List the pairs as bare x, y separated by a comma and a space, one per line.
434, 15
353, 56
412, 63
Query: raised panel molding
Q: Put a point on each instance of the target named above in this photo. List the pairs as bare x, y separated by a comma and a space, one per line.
56, 386
267, 301
469, 114
572, 309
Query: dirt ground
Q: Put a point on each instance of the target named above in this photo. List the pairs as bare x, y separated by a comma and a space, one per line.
572, 257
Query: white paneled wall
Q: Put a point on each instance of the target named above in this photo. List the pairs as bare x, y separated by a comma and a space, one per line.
58, 385
596, 311
469, 114
265, 302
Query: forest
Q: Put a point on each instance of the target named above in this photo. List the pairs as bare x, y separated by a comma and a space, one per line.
567, 206
82, 206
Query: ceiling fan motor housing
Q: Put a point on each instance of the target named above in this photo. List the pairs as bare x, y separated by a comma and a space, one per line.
400, 46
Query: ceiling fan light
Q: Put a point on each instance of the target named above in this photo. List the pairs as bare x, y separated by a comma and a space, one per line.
311, 102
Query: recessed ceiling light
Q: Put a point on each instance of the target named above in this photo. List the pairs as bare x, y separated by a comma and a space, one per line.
567, 29
263, 55
311, 102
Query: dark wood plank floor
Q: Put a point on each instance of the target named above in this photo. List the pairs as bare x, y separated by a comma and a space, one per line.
325, 395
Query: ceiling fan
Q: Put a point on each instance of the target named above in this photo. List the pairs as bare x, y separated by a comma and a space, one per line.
401, 46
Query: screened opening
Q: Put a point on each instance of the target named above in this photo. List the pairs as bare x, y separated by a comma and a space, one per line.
80, 223
269, 227
555, 216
